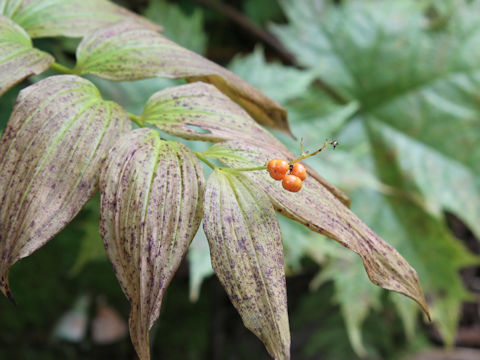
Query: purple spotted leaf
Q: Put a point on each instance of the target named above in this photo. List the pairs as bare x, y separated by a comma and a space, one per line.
151, 207
199, 111
130, 51
318, 209
74, 18
51, 152
247, 256
18, 59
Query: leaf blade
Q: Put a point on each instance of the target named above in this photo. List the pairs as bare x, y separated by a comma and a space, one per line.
130, 51
318, 209
50, 154
18, 59
150, 210
73, 18
247, 257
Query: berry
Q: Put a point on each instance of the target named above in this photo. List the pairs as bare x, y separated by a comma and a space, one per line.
299, 170
292, 183
277, 168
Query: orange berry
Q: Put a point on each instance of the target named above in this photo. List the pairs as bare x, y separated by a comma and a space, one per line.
277, 168
299, 170
292, 183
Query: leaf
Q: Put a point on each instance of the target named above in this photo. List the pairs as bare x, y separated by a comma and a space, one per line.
73, 18
416, 82
319, 210
9, 7
430, 247
199, 263
50, 155
247, 257
271, 78
130, 51
199, 111
18, 59
421, 106
185, 29
151, 197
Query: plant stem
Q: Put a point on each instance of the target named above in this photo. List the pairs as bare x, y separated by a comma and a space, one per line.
205, 160
62, 69
136, 119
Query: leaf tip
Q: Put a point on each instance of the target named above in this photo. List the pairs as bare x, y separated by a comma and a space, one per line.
5, 287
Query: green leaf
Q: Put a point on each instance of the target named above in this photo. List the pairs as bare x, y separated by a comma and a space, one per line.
429, 246
200, 266
272, 78
151, 207
18, 59
421, 107
247, 257
50, 155
184, 29
91, 248
130, 51
9, 7
199, 111
318, 209
415, 77
74, 18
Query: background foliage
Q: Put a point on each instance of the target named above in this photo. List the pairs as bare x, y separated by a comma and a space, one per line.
396, 83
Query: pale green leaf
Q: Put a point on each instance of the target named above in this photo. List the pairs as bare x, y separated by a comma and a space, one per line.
51, 152
200, 266
151, 207
9, 7
279, 82
184, 29
416, 77
319, 210
199, 111
422, 103
429, 247
74, 18
18, 59
247, 256
130, 51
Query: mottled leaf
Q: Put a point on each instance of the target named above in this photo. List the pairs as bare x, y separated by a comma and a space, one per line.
247, 256
199, 111
130, 51
316, 207
18, 59
75, 18
50, 155
151, 196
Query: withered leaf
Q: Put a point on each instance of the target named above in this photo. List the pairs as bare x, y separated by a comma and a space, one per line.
151, 207
130, 51
18, 59
247, 256
74, 18
319, 210
51, 152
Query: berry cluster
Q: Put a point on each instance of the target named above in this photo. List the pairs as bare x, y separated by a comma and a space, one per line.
293, 182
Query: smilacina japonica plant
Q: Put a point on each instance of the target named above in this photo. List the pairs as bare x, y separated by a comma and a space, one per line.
63, 143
